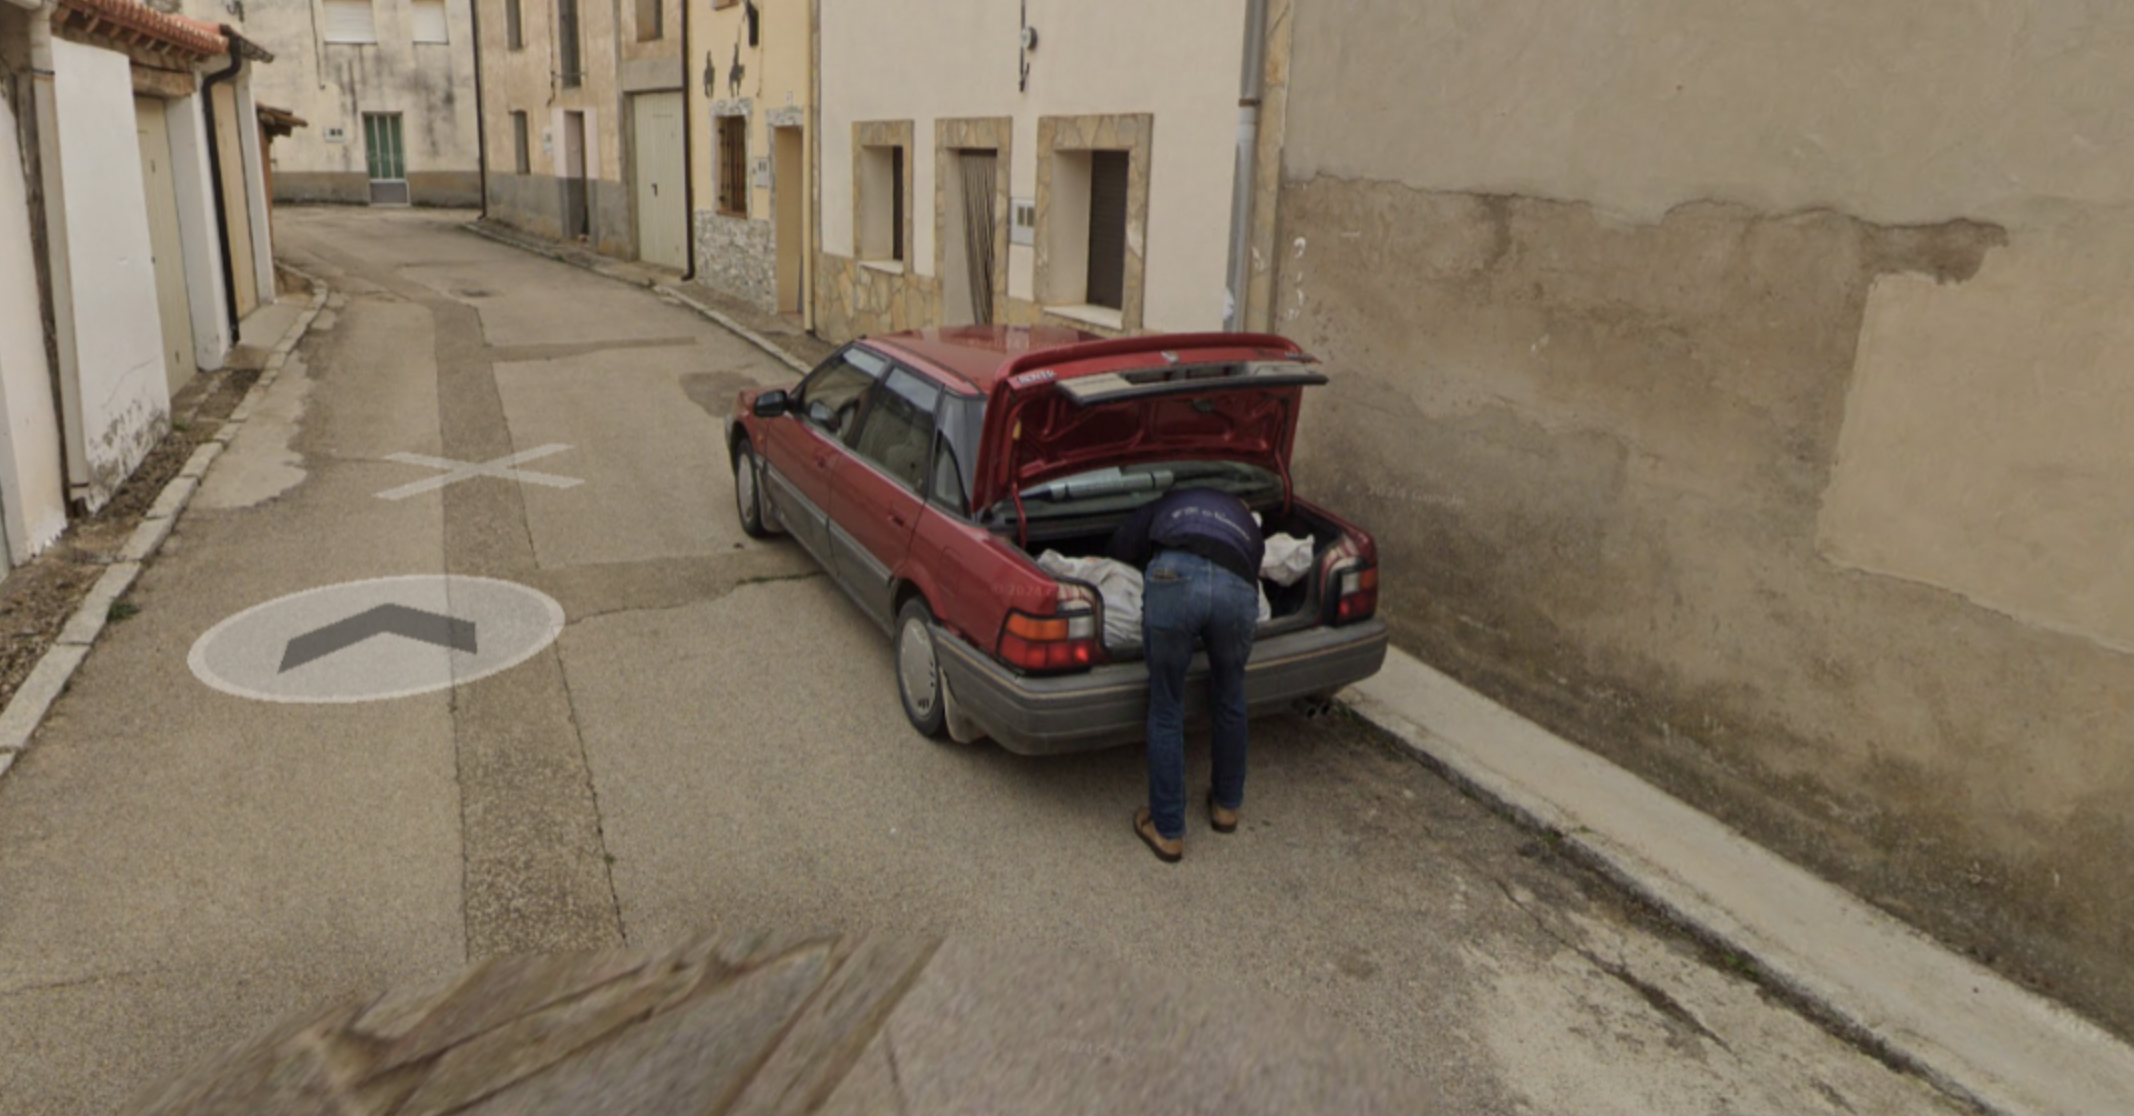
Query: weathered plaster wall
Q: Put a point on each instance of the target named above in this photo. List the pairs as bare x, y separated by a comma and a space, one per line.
32, 487
1742, 390
331, 85
521, 80
119, 401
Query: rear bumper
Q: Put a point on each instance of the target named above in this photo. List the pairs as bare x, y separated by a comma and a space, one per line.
1109, 705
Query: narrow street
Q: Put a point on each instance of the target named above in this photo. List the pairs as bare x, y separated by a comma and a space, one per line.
715, 741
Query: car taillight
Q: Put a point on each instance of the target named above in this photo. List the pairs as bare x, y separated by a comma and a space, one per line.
1065, 640
1348, 580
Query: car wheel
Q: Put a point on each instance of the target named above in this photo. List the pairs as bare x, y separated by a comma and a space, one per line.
748, 492
919, 669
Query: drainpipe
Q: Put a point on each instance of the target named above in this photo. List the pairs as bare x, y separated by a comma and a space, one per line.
1248, 145
481, 118
214, 162
689, 163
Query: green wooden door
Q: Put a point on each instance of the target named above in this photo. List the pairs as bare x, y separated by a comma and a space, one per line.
386, 157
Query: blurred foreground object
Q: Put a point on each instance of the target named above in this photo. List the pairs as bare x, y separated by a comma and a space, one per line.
769, 1024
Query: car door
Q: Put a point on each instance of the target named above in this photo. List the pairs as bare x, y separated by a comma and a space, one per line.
804, 449
876, 499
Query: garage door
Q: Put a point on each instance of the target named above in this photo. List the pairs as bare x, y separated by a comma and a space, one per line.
171, 302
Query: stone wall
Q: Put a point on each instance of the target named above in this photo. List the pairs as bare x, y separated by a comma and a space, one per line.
738, 257
1759, 442
854, 299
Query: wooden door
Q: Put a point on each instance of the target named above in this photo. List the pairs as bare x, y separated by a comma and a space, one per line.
173, 306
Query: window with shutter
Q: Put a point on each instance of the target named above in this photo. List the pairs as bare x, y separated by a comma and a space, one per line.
733, 165
567, 42
350, 21
430, 23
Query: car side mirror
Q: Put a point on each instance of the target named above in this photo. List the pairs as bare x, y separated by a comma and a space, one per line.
772, 404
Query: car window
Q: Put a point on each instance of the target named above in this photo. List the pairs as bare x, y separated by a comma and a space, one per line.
830, 397
898, 429
960, 421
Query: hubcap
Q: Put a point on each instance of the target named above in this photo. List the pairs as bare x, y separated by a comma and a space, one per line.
745, 489
915, 667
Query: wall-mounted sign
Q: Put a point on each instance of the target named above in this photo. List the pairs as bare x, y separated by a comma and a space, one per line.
763, 174
336, 134
1022, 221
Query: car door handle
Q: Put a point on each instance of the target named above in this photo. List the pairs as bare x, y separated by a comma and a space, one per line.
896, 519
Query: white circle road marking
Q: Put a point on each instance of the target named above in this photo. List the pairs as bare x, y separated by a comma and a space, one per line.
475, 627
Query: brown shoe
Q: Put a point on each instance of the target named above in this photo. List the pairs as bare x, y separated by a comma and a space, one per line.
1219, 819
1168, 851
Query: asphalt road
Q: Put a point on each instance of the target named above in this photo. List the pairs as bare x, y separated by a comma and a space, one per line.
715, 742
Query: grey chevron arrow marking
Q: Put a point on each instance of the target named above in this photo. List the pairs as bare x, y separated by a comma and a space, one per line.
387, 619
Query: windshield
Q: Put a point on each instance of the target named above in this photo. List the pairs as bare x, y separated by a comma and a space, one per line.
1122, 489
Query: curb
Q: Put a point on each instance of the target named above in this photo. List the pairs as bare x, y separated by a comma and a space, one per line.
25, 712
1866, 976
664, 290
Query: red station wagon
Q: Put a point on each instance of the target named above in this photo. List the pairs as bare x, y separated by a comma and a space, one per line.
925, 471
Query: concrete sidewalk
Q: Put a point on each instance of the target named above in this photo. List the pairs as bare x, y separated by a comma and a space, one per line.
1876, 980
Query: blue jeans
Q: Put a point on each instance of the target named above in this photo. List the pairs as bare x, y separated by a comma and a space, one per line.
1186, 598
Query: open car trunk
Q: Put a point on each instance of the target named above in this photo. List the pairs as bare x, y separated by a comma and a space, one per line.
1290, 606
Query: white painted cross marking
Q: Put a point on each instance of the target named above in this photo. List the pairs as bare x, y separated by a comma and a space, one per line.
456, 471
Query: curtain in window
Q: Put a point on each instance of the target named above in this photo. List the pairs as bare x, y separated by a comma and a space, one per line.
978, 182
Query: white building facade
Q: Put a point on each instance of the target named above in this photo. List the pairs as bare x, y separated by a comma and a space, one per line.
1065, 163
132, 240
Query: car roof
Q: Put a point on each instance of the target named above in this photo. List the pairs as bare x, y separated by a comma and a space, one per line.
982, 356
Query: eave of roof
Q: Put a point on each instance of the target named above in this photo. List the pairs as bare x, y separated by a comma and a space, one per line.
131, 23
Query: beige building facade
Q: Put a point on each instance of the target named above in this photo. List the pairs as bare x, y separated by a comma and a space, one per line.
1055, 162
753, 178
1747, 396
584, 117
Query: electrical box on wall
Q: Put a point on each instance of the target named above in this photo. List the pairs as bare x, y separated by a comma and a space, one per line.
1022, 221
763, 174
336, 134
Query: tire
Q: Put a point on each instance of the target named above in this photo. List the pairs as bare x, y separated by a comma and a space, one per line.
748, 492
918, 668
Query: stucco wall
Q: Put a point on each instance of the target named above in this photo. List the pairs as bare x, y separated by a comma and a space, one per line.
32, 488
930, 59
331, 85
1742, 390
774, 89
119, 401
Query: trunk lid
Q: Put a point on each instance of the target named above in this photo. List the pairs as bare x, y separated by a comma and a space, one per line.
1046, 424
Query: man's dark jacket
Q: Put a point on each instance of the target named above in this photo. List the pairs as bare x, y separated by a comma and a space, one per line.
1215, 525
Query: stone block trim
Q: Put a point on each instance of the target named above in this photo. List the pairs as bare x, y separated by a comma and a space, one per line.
1132, 133
738, 257
880, 133
994, 133
853, 300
